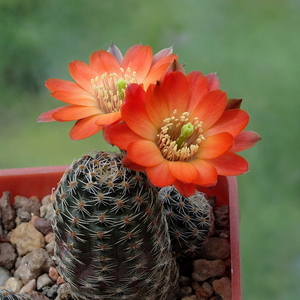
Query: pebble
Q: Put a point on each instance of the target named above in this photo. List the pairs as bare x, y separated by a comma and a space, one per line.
193, 297
33, 265
8, 256
59, 280
216, 248
201, 293
32, 205
50, 248
208, 288
4, 275
46, 210
185, 291
27, 238
53, 274
28, 287
34, 295
63, 292
49, 237
223, 288
204, 269
24, 216
44, 280
202, 278
43, 225
50, 291
7, 211
13, 284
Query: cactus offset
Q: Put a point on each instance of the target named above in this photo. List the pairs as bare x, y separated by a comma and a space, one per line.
111, 236
190, 220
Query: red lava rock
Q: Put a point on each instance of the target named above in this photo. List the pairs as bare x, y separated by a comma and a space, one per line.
34, 219
223, 288
204, 269
8, 256
32, 205
53, 274
201, 293
59, 280
43, 225
49, 237
216, 248
7, 211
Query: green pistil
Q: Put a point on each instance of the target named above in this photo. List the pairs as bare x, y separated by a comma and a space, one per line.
186, 131
121, 86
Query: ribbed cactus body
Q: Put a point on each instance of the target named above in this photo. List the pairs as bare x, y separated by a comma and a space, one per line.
111, 236
190, 220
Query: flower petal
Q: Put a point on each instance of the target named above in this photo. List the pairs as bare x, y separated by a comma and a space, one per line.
160, 175
183, 171
215, 145
232, 121
48, 115
104, 62
161, 54
144, 153
54, 84
229, 164
244, 141
85, 128
176, 89
213, 81
106, 119
185, 189
82, 74
233, 103
158, 70
156, 106
127, 163
139, 59
75, 112
210, 108
133, 111
207, 173
115, 51
78, 98
113, 133
198, 88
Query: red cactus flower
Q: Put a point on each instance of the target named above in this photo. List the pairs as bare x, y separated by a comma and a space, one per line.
182, 131
94, 100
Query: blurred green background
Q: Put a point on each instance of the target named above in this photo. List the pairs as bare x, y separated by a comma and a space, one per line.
254, 47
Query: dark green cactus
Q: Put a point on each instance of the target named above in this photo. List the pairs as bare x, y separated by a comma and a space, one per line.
111, 235
190, 220
8, 295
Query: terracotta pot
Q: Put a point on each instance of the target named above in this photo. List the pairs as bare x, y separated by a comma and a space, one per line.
40, 181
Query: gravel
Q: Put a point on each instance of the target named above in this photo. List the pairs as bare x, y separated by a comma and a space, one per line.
27, 264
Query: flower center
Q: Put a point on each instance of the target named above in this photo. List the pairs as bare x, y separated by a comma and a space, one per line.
110, 89
179, 137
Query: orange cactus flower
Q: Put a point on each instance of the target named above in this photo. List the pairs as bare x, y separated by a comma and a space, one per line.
182, 131
94, 100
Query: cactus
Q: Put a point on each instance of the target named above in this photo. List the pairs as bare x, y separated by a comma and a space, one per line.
8, 295
190, 220
111, 235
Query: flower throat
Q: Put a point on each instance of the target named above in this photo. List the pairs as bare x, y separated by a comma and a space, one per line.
179, 137
110, 89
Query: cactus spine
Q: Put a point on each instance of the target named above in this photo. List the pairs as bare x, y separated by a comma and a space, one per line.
190, 220
111, 235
